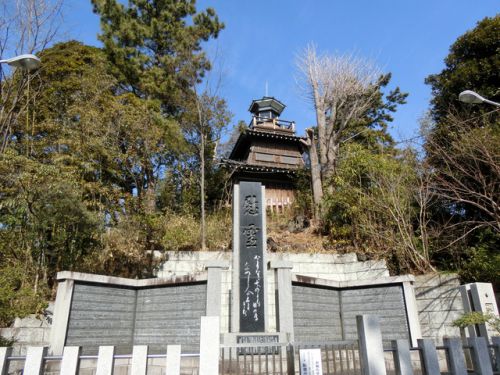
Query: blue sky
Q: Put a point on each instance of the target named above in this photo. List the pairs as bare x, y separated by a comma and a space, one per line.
410, 39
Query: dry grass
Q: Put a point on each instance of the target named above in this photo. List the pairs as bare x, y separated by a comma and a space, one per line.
182, 233
285, 237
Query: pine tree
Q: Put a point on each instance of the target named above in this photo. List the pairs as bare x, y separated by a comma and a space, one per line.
155, 46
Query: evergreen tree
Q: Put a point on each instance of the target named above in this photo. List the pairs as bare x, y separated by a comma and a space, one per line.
155, 46
472, 64
462, 149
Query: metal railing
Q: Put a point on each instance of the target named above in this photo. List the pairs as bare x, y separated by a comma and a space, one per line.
281, 358
275, 122
338, 357
455, 356
254, 359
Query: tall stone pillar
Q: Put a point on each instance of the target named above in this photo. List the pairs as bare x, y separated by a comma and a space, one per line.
61, 315
283, 289
249, 273
214, 287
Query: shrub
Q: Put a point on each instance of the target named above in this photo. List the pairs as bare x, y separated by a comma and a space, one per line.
17, 296
476, 317
182, 231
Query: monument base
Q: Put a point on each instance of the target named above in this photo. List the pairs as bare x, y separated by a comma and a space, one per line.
255, 342
269, 338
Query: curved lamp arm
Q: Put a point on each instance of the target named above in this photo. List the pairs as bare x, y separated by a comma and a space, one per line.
471, 97
27, 61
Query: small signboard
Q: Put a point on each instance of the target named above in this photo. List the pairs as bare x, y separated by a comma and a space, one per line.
310, 362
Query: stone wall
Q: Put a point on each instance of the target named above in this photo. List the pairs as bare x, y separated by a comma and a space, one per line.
439, 303
29, 331
184, 263
438, 297
336, 267
93, 310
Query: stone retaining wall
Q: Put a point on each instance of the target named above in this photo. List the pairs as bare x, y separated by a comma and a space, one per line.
439, 303
438, 298
337, 267
29, 331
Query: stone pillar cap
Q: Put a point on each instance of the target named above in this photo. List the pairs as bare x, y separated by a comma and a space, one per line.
217, 264
280, 264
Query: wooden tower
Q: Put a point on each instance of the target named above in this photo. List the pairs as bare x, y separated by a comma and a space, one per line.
268, 151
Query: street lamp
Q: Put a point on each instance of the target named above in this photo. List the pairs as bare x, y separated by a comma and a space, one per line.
471, 97
27, 61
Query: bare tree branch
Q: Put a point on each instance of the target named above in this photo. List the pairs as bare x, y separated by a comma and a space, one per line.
342, 88
26, 26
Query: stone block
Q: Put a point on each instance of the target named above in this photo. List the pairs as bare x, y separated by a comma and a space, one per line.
436, 333
440, 305
424, 318
346, 258
371, 274
317, 268
297, 258
31, 321
31, 336
327, 276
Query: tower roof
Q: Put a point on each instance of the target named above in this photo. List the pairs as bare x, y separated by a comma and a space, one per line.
265, 104
245, 141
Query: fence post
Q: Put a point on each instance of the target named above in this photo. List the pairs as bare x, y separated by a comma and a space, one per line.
34, 360
428, 356
4, 362
402, 357
290, 359
139, 360
209, 345
370, 345
480, 355
455, 355
105, 360
69, 363
173, 360
496, 348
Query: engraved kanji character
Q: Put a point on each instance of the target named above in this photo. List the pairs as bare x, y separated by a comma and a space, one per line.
251, 205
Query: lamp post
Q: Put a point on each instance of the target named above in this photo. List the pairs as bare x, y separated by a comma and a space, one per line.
28, 63
471, 97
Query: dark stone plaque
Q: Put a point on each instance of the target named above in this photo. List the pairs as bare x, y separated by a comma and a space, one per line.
251, 273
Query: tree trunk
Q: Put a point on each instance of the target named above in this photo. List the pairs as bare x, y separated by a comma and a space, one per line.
202, 193
317, 187
330, 168
149, 192
320, 108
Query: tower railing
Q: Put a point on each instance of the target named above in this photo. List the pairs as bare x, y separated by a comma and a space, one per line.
275, 123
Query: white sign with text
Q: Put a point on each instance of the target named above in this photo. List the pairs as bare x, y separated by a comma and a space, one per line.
310, 362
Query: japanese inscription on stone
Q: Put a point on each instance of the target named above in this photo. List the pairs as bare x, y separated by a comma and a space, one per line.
251, 258
263, 344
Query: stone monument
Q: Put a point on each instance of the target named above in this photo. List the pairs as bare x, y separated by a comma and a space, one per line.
249, 292
250, 255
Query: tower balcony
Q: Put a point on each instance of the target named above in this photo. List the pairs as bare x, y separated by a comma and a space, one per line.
272, 124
